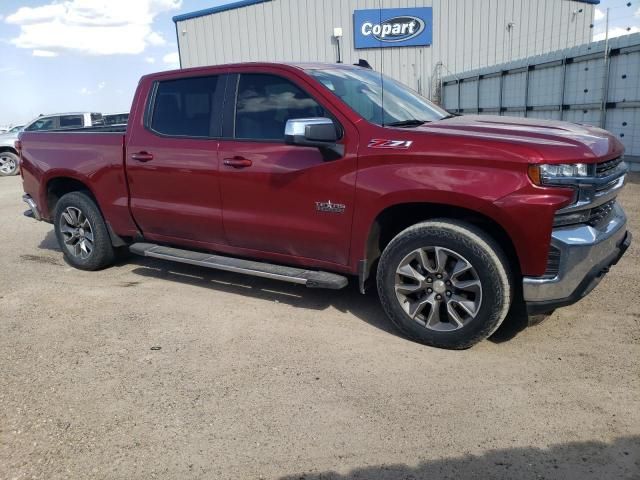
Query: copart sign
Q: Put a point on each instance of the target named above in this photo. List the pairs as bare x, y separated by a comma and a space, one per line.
393, 27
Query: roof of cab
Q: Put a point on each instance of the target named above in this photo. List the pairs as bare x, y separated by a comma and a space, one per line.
281, 65
218, 9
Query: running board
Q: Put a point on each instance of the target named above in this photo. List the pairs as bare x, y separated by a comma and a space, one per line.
310, 278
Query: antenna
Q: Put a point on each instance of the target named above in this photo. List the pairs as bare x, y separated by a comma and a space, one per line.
381, 70
363, 63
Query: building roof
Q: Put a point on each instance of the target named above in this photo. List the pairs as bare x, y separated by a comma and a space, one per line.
218, 9
246, 3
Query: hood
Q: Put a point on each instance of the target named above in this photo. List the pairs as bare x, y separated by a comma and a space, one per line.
8, 140
542, 140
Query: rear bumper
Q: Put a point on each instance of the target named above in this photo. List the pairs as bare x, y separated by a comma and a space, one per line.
33, 207
586, 254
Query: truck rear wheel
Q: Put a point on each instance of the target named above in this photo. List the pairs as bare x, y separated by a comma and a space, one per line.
445, 283
82, 232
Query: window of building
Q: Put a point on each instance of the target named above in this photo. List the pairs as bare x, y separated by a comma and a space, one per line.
266, 102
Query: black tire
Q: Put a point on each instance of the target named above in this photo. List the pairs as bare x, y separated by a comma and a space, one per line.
12, 162
491, 270
102, 253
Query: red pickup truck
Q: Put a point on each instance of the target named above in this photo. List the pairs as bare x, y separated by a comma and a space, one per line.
314, 173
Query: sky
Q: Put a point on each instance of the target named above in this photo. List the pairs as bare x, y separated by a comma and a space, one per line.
87, 55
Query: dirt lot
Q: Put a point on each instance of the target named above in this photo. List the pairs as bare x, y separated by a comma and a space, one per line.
154, 370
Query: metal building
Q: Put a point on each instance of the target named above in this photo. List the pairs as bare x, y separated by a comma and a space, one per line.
579, 84
410, 40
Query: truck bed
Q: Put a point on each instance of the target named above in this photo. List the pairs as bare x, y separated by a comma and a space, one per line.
95, 153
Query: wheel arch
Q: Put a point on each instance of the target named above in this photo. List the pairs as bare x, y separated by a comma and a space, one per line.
395, 218
58, 186
6, 148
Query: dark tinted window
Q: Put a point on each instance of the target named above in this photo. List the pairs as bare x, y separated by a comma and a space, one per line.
96, 119
116, 119
185, 107
70, 121
44, 123
266, 102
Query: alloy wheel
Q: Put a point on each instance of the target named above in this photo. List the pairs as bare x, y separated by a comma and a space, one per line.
438, 288
77, 232
7, 164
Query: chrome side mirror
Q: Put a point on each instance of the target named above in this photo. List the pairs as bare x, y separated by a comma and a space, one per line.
311, 132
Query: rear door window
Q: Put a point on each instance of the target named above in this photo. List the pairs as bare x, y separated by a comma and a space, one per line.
71, 121
188, 107
265, 103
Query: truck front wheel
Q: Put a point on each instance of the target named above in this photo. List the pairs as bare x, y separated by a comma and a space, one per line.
445, 283
9, 164
82, 232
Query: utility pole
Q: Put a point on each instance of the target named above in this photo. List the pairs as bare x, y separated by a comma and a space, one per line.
605, 76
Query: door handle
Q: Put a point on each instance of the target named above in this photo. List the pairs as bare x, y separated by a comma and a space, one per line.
142, 156
238, 162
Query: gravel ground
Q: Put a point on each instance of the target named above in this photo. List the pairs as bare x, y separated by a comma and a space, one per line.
156, 370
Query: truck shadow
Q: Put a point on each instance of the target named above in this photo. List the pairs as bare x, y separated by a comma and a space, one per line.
567, 461
50, 242
348, 300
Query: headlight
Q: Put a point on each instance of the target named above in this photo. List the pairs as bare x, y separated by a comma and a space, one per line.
557, 174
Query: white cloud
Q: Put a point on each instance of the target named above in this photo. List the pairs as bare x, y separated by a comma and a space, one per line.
598, 15
637, 14
87, 91
44, 53
172, 60
615, 32
150, 60
90, 27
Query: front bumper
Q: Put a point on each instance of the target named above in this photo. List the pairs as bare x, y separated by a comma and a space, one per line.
586, 254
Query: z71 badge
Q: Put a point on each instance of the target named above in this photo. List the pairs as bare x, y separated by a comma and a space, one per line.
385, 143
330, 207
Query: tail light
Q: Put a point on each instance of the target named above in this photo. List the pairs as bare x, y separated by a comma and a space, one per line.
18, 145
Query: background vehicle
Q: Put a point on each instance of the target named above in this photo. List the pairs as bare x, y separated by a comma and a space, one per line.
9, 160
16, 129
315, 170
65, 120
116, 118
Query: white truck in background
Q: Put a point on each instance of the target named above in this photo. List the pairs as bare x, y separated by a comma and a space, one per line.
9, 159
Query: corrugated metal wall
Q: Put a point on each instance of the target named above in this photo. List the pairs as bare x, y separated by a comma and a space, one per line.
564, 85
467, 34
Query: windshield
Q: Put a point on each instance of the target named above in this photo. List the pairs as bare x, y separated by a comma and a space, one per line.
362, 90
16, 129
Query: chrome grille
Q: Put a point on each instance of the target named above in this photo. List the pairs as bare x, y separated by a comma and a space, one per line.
553, 263
606, 168
601, 213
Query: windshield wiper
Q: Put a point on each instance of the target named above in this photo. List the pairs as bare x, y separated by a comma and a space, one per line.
413, 122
